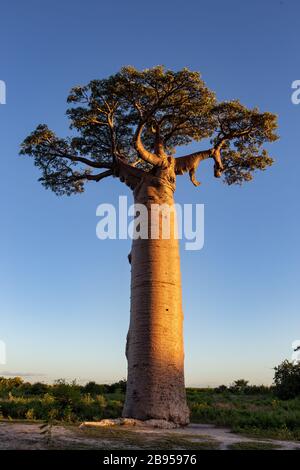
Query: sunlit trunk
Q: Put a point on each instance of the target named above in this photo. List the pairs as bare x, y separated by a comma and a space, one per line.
155, 387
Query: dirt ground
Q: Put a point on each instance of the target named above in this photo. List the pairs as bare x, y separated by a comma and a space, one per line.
20, 435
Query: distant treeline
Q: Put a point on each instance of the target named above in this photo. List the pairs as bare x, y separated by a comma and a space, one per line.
258, 410
18, 387
286, 386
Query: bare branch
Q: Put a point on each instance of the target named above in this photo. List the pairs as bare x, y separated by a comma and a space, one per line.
128, 174
86, 161
99, 176
142, 152
230, 135
190, 163
75, 158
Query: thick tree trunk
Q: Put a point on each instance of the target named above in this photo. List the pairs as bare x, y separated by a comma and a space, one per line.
155, 386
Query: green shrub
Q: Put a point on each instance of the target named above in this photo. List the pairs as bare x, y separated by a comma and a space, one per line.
287, 380
95, 389
30, 414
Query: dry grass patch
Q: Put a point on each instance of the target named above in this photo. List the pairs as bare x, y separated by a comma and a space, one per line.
252, 445
118, 437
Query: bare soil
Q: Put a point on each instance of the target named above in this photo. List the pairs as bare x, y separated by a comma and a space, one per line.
20, 435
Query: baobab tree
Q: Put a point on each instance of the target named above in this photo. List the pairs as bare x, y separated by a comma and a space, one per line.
128, 127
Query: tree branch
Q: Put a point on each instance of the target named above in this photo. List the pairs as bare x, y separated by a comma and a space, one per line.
84, 160
90, 162
89, 177
128, 174
99, 176
230, 135
190, 163
159, 148
142, 152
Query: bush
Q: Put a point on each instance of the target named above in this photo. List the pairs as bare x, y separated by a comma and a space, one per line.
95, 389
39, 389
117, 387
10, 385
239, 386
287, 380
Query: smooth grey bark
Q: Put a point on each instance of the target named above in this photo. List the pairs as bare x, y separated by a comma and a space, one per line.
155, 385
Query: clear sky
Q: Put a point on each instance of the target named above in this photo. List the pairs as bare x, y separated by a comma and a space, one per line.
64, 298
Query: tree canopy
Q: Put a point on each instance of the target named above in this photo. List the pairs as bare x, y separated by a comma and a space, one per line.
133, 121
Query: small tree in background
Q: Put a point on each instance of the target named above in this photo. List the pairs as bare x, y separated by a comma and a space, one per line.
239, 386
287, 380
128, 126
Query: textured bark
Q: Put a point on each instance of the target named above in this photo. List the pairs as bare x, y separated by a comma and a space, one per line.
155, 386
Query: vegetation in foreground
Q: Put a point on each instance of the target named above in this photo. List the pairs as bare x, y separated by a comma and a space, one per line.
158, 441
259, 411
253, 446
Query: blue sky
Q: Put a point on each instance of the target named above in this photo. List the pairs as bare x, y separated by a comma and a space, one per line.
64, 295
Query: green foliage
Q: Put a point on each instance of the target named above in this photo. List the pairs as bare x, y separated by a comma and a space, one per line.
68, 401
239, 386
66, 394
252, 445
30, 414
251, 410
179, 101
101, 400
117, 387
177, 107
94, 389
251, 414
287, 380
221, 389
10, 384
38, 389
247, 130
47, 427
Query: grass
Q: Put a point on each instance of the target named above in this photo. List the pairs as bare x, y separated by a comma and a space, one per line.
250, 445
255, 415
118, 436
252, 411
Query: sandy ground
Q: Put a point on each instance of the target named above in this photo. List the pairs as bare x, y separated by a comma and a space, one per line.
19, 435
226, 437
